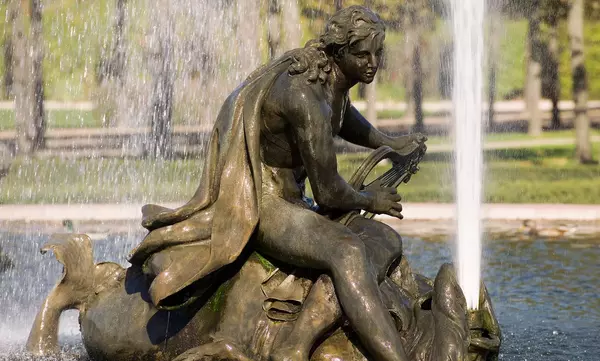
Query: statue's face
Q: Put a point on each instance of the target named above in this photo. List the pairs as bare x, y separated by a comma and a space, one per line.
360, 62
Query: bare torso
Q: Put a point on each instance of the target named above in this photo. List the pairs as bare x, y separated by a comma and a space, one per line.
280, 151
278, 136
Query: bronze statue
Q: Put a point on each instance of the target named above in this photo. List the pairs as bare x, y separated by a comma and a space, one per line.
249, 268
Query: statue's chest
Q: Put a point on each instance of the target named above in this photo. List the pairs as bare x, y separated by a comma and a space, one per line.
338, 110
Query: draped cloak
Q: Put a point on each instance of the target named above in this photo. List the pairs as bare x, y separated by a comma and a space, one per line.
229, 193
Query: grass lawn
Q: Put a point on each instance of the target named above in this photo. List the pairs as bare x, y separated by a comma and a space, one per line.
55, 119
536, 175
99, 180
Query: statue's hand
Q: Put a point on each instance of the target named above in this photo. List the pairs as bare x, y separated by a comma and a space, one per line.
407, 144
418, 137
384, 200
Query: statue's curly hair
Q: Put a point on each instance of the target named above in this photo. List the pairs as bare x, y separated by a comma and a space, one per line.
343, 29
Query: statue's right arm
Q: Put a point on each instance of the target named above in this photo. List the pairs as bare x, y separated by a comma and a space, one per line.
310, 120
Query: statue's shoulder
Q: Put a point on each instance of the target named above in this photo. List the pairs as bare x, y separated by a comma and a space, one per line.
310, 63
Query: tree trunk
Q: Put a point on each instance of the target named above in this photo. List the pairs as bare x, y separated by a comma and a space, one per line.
533, 87
290, 15
418, 90
371, 95
112, 92
37, 73
409, 76
21, 78
580, 93
28, 76
160, 145
274, 28
163, 69
117, 62
339, 4
248, 38
495, 18
553, 50
8, 78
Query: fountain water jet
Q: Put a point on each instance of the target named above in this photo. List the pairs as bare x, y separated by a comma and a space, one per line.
467, 18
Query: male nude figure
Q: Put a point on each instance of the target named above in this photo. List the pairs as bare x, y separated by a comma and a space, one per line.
301, 115
301, 111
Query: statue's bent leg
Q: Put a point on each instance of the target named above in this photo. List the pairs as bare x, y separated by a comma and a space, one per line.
382, 243
303, 238
321, 309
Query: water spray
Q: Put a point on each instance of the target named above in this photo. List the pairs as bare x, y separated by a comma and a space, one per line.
467, 22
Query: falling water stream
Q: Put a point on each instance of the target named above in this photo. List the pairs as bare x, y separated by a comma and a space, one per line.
467, 17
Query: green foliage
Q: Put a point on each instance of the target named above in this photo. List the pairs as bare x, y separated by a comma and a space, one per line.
74, 32
592, 60
510, 75
77, 33
511, 63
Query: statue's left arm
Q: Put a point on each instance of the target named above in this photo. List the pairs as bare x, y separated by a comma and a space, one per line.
357, 130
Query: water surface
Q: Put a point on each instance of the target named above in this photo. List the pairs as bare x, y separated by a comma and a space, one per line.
545, 293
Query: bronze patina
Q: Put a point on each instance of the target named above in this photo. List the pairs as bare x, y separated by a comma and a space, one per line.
250, 268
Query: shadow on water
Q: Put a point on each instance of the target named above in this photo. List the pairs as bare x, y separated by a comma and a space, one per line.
545, 293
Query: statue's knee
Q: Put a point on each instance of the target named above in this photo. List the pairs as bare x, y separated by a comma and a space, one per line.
394, 239
349, 255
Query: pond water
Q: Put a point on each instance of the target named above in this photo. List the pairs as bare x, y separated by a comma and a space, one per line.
545, 293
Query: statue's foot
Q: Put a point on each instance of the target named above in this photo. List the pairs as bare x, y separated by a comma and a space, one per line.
288, 354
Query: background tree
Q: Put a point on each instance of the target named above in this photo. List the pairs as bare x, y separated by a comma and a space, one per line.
580, 94
553, 70
111, 74
113, 66
494, 16
290, 15
417, 19
552, 13
8, 51
247, 36
542, 55
27, 64
370, 90
283, 26
37, 73
533, 82
162, 69
274, 24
